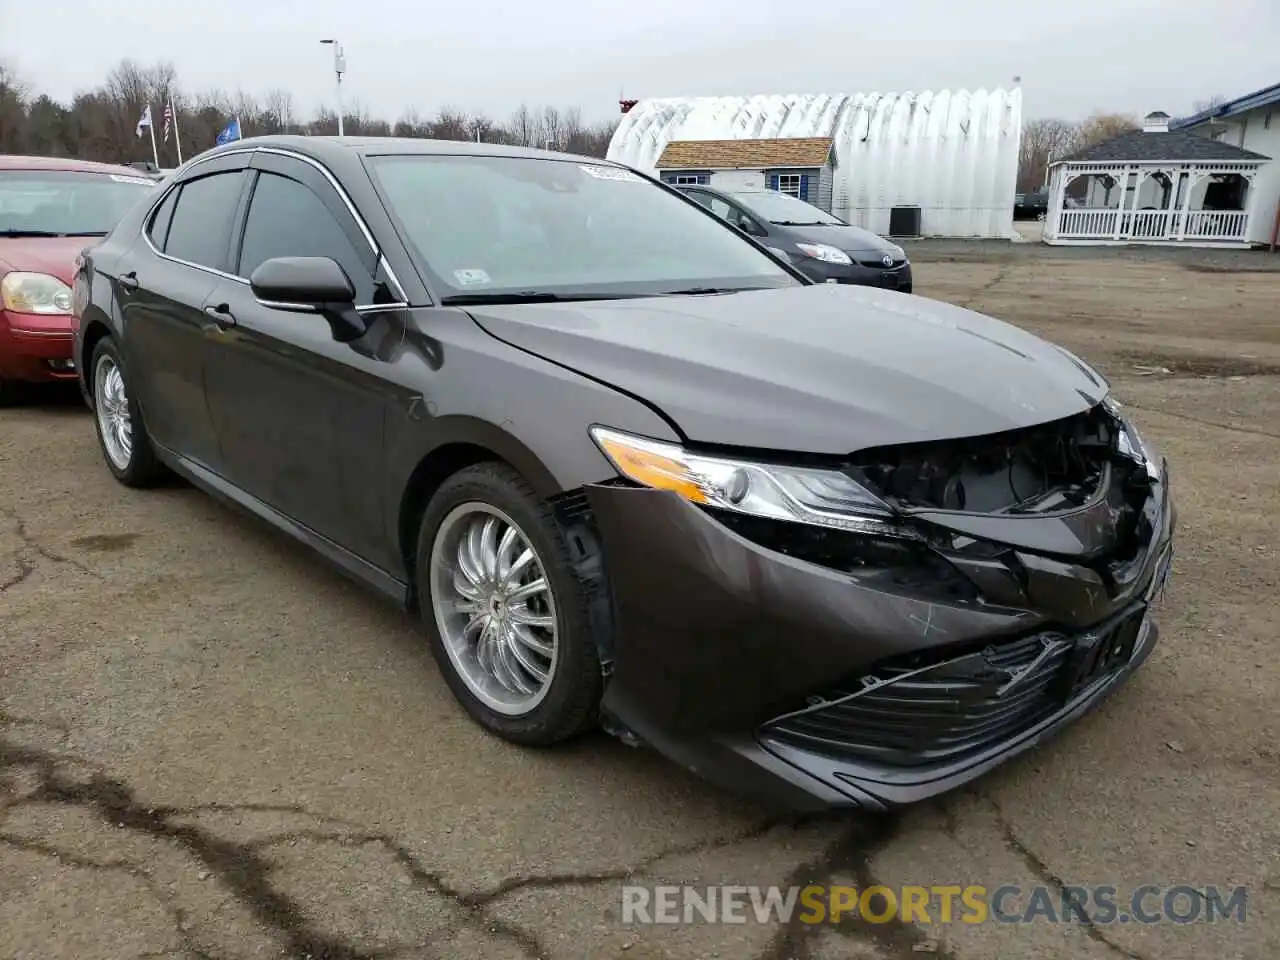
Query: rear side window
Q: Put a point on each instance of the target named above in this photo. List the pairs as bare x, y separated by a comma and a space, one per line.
287, 219
200, 227
159, 228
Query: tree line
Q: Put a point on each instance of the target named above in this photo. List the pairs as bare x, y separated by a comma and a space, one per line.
100, 124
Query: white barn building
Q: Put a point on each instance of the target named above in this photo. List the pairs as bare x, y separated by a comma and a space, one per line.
952, 154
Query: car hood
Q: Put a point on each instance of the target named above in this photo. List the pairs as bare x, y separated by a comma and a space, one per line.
52, 255
824, 369
848, 239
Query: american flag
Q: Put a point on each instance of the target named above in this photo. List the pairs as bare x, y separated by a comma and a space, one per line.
168, 120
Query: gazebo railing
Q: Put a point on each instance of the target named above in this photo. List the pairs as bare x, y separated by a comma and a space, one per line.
1087, 223
1216, 225
1111, 223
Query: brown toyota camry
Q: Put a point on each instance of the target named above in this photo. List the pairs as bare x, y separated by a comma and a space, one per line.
836, 546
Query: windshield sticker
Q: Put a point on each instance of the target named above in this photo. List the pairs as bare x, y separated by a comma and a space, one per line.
145, 181
469, 278
610, 173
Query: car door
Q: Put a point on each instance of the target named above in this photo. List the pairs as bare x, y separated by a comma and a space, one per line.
163, 284
298, 415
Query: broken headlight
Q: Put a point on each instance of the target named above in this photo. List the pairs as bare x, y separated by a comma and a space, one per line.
826, 498
1131, 443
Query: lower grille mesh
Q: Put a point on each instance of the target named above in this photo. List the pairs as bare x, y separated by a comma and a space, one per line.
911, 714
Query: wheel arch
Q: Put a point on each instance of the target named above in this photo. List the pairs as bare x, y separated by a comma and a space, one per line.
461, 445
95, 331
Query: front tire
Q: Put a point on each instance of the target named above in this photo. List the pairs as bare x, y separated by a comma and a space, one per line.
503, 609
125, 445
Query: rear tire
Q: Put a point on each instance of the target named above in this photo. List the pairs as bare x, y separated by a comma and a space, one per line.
503, 610
121, 434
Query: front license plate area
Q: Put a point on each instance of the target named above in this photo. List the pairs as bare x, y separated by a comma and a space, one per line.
1101, 651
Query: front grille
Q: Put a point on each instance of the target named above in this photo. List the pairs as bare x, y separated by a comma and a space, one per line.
879, 264
911, 713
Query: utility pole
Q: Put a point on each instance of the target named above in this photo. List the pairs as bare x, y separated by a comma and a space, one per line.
339, 68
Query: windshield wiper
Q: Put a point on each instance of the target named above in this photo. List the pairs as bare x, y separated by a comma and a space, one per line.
799, 223
529, 296
30, 233
701, 291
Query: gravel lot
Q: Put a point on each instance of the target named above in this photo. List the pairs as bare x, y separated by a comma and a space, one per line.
211, 746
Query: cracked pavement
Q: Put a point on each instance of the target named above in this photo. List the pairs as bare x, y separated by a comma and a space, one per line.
212, 746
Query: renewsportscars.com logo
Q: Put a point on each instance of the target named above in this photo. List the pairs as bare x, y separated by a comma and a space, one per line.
970, 904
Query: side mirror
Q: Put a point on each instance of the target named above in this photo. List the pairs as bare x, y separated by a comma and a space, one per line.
310, 285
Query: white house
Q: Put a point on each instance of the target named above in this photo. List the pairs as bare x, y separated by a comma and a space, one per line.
952, 154
1157, 186
1253, 123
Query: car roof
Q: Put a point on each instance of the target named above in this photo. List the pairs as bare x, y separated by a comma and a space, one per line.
18, 162
331, 148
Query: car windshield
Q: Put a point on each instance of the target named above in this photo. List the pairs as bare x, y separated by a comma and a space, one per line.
489, 227
782, 208
66, 202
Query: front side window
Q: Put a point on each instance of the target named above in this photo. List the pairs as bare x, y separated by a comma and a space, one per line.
66, 203
200, 228
510, 225
287, 219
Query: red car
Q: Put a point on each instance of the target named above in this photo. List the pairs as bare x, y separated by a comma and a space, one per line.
50, 210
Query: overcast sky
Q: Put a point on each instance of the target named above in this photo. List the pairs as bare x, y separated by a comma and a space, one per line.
1073, 57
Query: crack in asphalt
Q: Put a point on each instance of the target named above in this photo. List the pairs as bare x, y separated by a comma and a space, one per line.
1040, 869
242, 868
1256, 431
33, 545
1001, 274
851, 852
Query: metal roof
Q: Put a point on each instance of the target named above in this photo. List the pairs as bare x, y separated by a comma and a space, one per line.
1160, 147
953, 153
745, 154
1250, 101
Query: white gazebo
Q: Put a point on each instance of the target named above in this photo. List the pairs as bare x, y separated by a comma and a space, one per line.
1154, 186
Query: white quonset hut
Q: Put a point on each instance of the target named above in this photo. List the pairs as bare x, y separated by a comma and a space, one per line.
953, 154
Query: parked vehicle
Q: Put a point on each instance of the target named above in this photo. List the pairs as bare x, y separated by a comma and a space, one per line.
821, 246
1031, 206
824, 543
49, 210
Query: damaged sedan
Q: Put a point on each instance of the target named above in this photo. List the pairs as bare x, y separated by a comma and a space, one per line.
828, 545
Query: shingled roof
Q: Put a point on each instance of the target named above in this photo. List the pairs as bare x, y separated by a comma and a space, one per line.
745, 154
1145, 147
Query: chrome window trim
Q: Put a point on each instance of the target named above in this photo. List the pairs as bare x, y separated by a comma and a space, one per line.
382, 262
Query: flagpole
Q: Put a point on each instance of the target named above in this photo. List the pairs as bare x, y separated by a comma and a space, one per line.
155, 151
177, 136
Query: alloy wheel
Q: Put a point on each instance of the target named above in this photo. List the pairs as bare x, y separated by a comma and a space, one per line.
494, 608
111, 405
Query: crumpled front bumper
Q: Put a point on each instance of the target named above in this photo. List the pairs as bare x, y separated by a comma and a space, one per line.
715, 637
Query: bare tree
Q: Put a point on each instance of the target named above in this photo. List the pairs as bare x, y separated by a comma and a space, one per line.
553, 129
450, 123
1104, 126
1042, 141
277, 111
523, 127
1208, 103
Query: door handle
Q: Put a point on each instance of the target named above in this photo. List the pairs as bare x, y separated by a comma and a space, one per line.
129, 281
221, 314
